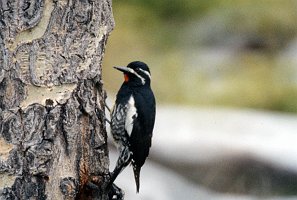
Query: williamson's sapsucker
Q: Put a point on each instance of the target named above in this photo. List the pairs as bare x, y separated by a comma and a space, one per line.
133, 118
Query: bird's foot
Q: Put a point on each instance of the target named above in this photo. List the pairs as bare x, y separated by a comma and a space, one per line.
101, 114
105, 98
116, 193
107, 107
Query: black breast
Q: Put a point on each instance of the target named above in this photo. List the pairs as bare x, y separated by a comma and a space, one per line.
141, 136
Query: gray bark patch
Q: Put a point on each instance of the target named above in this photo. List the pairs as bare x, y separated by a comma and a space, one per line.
52, 121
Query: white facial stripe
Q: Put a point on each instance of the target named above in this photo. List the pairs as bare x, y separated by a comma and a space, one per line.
146, 72
141, 78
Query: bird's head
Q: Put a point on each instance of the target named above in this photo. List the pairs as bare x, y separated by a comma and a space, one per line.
136, 73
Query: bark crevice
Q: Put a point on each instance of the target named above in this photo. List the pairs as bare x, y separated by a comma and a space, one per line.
50, 96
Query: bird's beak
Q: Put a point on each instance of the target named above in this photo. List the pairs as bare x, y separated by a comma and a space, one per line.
123, 69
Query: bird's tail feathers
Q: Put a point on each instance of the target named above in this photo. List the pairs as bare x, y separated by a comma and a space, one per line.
136, 171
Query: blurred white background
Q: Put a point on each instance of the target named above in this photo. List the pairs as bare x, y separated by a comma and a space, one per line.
217, 154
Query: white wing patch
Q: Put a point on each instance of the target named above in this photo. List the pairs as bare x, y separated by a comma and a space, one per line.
131, 115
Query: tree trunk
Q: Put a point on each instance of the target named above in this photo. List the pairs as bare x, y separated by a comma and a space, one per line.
53, 143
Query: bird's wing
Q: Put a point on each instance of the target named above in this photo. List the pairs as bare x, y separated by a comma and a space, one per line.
118, 118
122, 119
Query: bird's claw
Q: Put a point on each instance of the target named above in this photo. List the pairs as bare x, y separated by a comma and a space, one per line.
116, 193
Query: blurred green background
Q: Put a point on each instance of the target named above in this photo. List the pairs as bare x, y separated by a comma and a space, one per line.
239, 53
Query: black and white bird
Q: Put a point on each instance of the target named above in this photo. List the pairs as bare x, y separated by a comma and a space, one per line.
133, 119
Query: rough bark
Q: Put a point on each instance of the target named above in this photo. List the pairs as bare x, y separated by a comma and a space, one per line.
53, 143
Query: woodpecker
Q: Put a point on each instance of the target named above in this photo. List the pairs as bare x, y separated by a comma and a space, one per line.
133, 119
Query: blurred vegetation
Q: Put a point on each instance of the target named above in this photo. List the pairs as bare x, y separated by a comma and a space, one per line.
209, 52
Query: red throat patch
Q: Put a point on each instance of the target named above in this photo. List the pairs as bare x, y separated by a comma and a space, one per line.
126, 77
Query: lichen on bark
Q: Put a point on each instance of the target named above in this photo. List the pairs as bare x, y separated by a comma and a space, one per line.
52, 123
